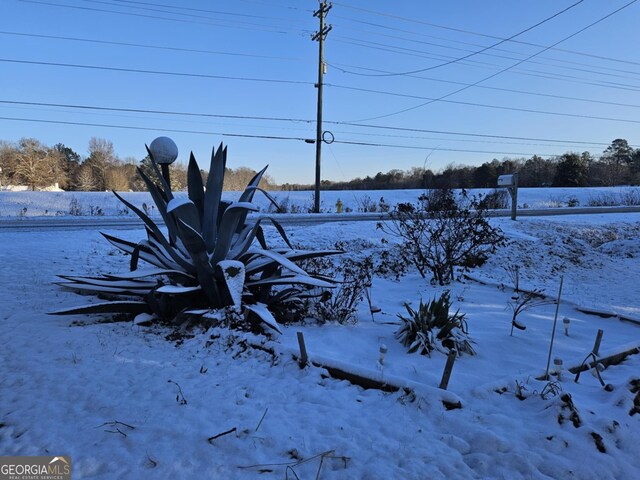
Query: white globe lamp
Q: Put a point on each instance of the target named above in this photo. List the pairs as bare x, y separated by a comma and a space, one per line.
164, 152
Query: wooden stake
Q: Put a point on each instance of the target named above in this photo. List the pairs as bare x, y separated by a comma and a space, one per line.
596, 345
303, 350
451, 358
553, 332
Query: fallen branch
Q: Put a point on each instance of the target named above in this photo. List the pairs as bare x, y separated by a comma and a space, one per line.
211, 439
263, 415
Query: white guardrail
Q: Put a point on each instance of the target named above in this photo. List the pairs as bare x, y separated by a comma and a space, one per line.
81, 223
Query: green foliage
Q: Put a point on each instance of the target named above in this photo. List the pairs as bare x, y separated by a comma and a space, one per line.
572, 171
431, 327
209, 258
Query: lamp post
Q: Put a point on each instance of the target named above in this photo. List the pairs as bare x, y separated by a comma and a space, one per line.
164, 152
0, 179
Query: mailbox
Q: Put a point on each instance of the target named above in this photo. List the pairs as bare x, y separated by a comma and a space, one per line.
506, 181
510, 182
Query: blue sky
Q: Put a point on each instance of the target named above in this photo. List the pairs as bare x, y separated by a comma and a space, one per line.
256, 42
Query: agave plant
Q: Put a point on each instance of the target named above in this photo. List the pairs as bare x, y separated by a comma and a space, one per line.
212, 257
432, 327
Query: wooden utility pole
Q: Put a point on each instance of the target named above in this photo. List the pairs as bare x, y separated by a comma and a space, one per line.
319, 36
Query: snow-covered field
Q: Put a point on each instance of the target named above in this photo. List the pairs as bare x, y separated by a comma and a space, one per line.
34, 204
125, 402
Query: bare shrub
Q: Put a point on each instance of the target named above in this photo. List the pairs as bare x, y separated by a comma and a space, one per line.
441, 232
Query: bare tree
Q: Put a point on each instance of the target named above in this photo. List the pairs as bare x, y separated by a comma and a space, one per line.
8, 156
86, 180
38, 165
101, 158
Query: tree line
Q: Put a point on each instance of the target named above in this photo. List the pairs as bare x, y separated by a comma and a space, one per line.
618, 164
30, 162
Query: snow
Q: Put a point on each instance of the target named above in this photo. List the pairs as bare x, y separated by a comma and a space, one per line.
58, 203
110, 394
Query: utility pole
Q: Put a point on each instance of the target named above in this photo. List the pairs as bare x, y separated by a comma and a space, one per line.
319, 36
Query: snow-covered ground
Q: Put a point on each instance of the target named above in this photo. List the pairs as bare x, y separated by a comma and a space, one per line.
124, 402
33, 204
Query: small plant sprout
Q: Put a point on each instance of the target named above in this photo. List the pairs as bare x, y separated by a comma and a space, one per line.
551, 389
180, 398
524, 302
565, 322
513, 272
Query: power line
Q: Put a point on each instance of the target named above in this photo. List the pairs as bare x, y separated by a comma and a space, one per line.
440, 45
507, 68
415, 147
460, 30
188, 15
472, 54
132, 127
201, 10
263, 137
514, 56
155, 72
480, 135
473, 104
295, 120
159, 112
140, 45
479, 64
458, 140
156, 17
524, 92
564, 97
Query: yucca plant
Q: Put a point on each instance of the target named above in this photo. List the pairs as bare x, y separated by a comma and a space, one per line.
431, 327
211, 258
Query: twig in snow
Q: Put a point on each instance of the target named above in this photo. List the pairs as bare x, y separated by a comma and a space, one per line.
290, 464
180, 396
286, 473
115, 424
211, 439
263, 415
320, 467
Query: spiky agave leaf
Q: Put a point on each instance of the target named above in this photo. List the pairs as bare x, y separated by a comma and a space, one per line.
247, 195
257, 261
159, 198
196, 246
233, 275
149, 273
185, 210
157, 234
263, 313
195, 187
231, 218
109, 307
291, 280
136, 250
213, 196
